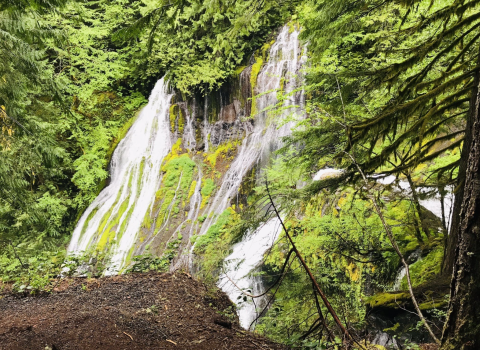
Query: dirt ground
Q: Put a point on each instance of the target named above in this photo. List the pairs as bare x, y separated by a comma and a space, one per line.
138, 311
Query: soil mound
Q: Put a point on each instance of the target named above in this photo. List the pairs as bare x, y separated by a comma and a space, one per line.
138, 311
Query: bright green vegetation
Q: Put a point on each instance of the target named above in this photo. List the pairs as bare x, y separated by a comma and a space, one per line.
174, 192
224, 151
149, 262
393, 300
208, 186
200, 43
177, 119
425, 270
253, 81
214, 245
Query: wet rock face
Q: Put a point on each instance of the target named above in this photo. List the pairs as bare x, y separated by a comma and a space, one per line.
218, 116
228, 113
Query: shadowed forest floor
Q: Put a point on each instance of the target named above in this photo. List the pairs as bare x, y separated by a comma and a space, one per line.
138, 311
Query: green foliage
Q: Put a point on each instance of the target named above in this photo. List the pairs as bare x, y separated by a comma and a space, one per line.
33, 269
148, 262
425, 269
29, 273
343, 241
208, 186
211, 248
200, 43
388, 83
179, 170
214, 231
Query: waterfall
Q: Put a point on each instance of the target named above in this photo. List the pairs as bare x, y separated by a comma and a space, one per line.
154, 200
283, 67
115, 216
282, 71
245, 258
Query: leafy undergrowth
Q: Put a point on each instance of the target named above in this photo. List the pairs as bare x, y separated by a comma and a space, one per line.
136, 311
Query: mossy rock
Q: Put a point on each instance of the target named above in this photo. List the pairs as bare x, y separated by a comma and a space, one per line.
425, 269
433, 304
388, 300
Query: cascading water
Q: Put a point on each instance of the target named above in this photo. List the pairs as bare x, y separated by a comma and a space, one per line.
115, 216
245, 258
159, 170
285, 61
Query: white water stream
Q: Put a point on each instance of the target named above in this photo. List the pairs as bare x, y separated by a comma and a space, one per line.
247, 255
286, 58
135, 177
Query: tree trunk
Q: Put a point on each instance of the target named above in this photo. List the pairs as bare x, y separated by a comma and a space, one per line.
418, 207
454, 232
462, 329
442, 192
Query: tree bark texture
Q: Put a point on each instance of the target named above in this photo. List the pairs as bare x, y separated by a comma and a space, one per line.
455, 223
462, 329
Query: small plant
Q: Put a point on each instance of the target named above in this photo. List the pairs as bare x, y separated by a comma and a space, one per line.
148, 262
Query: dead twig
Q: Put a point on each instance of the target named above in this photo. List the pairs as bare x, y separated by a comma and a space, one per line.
128, 335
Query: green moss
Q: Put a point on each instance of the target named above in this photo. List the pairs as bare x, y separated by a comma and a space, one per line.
109, 233
124, 223
147, 220
221, 151
253, 82
390, 300
177, 181
129, 256
107, 238
208, 186
426, 269
140, 176
89, 217
130, 180
104, 220
181, 121
192, 189
433, 304
393, 329
239, 70
213, 232
173, 111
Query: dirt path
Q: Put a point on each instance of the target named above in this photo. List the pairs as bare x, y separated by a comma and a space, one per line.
140, 311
